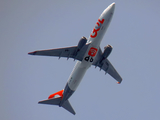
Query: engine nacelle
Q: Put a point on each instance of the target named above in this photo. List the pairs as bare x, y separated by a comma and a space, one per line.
107, 51
82, 42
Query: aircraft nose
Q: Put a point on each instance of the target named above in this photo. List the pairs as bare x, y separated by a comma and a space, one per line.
113, 4
109, 9
112, 7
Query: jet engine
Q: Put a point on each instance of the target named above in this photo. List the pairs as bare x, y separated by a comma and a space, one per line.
80, 45
82, 42
106, 53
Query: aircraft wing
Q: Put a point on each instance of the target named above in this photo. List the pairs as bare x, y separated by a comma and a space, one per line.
107, 67
68, 52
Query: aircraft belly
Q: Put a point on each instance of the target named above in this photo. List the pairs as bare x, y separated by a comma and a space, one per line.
76, 75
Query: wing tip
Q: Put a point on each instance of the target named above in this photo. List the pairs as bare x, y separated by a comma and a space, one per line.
119, 82
40, 102
32, 53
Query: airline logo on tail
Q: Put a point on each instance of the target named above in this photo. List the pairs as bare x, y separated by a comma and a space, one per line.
57, 94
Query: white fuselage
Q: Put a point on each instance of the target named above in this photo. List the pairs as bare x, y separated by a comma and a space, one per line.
94, 43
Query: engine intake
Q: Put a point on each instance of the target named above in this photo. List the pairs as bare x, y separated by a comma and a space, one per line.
80, 45
106, 53
82, 42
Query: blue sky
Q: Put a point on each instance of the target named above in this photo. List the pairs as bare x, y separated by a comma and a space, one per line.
31, 25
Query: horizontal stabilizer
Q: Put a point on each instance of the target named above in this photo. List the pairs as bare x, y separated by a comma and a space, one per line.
66, 105
53, 101
56, 101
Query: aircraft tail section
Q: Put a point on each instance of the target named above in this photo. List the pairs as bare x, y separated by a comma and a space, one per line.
55, 99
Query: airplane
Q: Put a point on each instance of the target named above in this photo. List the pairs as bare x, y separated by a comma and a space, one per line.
87, 53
